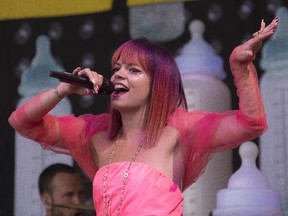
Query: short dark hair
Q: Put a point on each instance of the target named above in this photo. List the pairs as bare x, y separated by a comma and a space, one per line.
47, 175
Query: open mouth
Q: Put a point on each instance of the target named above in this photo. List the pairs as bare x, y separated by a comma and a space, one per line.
120, 89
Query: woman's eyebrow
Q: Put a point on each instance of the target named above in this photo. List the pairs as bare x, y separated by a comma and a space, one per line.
135, 65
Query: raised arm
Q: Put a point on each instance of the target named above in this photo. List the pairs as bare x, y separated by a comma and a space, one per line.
250, 121
32, 119
244, 72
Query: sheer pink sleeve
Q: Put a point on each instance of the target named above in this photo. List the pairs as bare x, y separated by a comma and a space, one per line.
199, 137
201, 133
197, 130
68, 135
76, 134
44, 131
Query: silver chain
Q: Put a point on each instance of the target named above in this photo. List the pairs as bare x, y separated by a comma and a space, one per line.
107, 200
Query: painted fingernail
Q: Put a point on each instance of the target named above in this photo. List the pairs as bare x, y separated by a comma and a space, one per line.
96, 89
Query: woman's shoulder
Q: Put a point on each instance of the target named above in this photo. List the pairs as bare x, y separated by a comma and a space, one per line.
96, 123
85, 123
181, 115
89, 117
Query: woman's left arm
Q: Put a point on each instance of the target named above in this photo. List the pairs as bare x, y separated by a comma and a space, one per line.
249, 122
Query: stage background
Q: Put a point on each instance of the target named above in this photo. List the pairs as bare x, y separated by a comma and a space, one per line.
228, 23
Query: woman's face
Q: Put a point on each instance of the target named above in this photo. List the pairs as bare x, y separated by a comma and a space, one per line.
132, 85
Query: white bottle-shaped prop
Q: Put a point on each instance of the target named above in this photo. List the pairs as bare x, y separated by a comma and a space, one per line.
248, 192
157, 21
274, 88
30, 158
202, 73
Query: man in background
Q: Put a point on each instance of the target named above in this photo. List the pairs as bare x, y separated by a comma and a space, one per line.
62, 190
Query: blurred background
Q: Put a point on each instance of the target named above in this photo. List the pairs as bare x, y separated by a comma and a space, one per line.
85, 33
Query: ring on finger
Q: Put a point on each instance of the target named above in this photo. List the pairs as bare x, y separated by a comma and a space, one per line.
93, 81
256, 33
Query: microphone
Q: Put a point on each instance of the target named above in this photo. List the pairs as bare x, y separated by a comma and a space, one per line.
107, 86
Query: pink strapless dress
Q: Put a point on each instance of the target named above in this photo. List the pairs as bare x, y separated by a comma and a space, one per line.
147, 192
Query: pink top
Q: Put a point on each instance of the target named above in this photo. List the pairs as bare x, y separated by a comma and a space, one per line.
147, 192
200, 135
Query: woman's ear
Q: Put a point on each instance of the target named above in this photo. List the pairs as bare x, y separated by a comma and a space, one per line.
46, 200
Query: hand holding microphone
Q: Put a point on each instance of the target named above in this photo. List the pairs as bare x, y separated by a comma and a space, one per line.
107, 86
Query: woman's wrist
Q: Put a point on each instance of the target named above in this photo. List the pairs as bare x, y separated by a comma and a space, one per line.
59, 91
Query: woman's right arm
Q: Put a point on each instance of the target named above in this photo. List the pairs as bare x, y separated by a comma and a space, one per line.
32, 119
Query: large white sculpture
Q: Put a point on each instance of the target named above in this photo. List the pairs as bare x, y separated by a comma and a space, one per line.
248, 192
157, 21
274, 88
30, 158
202, 73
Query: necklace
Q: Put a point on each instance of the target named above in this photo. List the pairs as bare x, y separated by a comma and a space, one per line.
107, 200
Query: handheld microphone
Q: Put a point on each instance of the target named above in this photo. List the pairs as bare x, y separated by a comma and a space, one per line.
107, 86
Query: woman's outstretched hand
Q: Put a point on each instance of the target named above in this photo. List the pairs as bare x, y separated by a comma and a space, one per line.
248, 50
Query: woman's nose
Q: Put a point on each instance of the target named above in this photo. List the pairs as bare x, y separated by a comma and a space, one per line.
118, 75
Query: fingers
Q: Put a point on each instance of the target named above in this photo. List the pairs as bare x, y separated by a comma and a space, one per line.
272, 26
94, 77
76, 70
262, 25
266, 31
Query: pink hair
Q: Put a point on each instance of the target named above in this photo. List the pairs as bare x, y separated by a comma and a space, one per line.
166, 90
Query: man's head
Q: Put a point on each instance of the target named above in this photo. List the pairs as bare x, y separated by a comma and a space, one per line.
61, 184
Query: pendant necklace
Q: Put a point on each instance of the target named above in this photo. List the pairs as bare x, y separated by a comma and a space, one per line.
107, 200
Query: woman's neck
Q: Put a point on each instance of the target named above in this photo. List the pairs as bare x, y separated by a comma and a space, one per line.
132, 124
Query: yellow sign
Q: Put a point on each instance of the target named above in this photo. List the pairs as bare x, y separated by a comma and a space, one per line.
143, 2
23, 9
